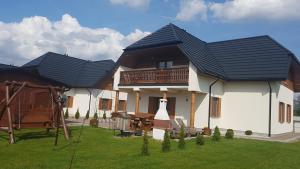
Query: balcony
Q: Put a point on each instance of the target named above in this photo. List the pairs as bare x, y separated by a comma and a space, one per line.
174, 76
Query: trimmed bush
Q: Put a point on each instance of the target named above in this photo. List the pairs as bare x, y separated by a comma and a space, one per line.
248, 132
216, 135
96, 115
229, 134
145, 147
200, 139
181, 143
66, 114
87, 115
104, 116
77, 114
166, 144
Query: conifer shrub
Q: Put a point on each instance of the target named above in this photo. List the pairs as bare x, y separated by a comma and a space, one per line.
216, 135
181, 143
66, 114
229, 134
166, 144
248, 132
145, 147
104, 116
200, 139
77, 114
96, 115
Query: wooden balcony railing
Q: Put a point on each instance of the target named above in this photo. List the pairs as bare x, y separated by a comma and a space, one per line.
174, 76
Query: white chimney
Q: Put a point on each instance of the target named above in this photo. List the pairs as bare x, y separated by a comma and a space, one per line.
161, 120
162, 113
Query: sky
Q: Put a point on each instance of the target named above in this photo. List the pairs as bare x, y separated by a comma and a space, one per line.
101, 29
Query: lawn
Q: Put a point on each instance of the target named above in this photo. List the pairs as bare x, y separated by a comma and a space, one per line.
98, 148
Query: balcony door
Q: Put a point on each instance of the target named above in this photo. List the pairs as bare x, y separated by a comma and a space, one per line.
153, 105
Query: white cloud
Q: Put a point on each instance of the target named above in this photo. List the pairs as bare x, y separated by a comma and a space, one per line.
236, 10
191, 9
139, 4
34, 36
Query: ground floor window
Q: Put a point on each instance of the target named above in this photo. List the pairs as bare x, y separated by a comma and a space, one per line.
70, 102
105, 104
122, 105
288, 113
281, 112
215, 111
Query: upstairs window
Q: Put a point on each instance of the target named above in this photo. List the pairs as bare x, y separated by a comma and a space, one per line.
215, 107
165, 64
281, 112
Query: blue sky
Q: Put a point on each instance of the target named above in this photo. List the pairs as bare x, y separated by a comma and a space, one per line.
127, 21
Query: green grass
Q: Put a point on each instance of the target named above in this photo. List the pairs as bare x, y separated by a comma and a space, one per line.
98, 148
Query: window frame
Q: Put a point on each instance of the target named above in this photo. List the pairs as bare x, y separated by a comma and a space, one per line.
215, 107
288, 113
106, 102
281, 112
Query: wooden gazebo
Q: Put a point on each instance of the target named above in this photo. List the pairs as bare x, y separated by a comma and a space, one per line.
28, 100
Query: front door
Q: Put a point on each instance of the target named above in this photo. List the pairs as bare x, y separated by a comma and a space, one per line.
153, 105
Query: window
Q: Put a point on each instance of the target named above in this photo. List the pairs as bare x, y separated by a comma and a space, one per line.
215, 108
105, 104
288, 113
69, 103
165, 64
122, 105
281, 112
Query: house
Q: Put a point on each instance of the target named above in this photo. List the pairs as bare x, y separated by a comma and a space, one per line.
89, 82
241, 84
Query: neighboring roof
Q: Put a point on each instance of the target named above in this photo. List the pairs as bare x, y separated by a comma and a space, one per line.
4, 66
72, 72
254, 58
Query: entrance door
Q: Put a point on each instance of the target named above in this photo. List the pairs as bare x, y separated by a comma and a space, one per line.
153, 105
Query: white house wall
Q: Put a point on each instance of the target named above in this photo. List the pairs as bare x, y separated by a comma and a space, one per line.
81, 101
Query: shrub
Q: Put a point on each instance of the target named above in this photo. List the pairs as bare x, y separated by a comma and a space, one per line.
181, 143
199, 139
145, 147
87, 115
216, 135
94, 123
229, 134
96, 115
77, 114
104, 116
66, 114
248, 132
166, 144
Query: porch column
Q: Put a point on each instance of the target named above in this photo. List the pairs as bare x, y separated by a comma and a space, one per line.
164, 94
193, 109
137, 101
117, 101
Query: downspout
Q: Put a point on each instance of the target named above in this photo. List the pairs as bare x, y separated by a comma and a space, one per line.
270, 108
209, 102
90, 99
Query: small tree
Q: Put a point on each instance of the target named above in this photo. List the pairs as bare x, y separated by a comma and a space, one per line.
96, 115
66, 114
229, 134
145, 147
199, 139
217, 135
181, 143
87, 115
104, 116
166, 144
77, 114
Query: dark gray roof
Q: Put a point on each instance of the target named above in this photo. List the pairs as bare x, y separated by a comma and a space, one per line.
255, 58
72, 72
4, 66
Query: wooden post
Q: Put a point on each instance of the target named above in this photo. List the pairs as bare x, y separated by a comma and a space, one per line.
165, 95
10, 125
193, 109
137, 102
64, 125
117, 101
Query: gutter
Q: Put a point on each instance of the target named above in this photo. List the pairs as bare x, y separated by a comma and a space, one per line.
270, 108
209, 102
90, 99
